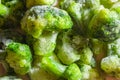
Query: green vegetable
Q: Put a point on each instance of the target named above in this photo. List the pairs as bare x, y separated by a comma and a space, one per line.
40, 18
93, 19
73, 72
19, 57
69, 46
114, 48
53, 66
45, 45
111, 64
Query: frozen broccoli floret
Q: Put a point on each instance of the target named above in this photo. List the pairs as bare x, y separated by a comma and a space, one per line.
73, 72
19, 57
89, 73
37, 72
53, 66
81, 12
69, 46
45, 44
30, 3
39, 18
113, 48
93, 19
105, 25
86, 56
111, 64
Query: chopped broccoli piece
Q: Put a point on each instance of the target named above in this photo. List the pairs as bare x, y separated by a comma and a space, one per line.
52, 66
46, 43
19, 57
73, 72
111, 64
39, 18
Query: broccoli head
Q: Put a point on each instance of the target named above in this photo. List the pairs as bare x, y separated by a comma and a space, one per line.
39, 18
111, 64
113, 48
30, 3
19, 57
93, 19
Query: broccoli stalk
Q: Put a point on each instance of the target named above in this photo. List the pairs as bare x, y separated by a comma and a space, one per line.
19, 57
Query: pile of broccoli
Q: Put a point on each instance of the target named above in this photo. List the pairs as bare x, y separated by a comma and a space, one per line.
60, 39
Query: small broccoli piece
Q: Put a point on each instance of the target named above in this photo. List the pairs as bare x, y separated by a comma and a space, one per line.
19, 57
86, 56
37, 72
53, 66
9, 78
114, 48
46, 43
81, 11
89, 73
73, 72
30, 3
105, 25
39, 18
69, 46
111, 64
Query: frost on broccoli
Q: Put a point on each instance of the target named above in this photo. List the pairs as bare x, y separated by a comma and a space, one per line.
19, 57
45, 44
111, 64
39, 18
93, 19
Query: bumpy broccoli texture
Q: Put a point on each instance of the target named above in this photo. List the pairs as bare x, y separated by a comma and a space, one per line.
94, 19
74, 40
19, 57
40, 18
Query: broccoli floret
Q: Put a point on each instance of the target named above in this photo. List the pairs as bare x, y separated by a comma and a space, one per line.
113, 48
111, 64
19, 57
45, 44
73, 72
37, 72
69, 46
93, 19
105, 25
39, 18
86, 56
53, 66
30, 3
81, 11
